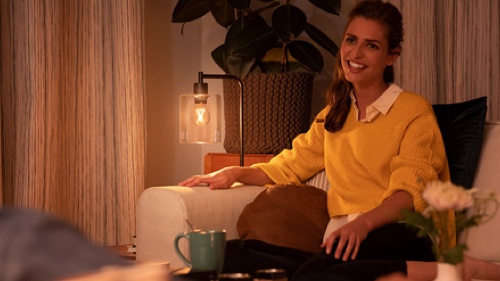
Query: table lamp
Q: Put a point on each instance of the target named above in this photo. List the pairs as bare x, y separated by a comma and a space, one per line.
199, 113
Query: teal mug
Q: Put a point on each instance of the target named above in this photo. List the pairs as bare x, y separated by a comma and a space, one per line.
206, 249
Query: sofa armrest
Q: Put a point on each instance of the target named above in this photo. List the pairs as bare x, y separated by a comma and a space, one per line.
482, 240
163, 212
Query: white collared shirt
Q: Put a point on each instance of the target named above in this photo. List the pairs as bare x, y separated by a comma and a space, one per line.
381, 105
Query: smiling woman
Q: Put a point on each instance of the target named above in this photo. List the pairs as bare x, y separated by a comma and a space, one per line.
370, 139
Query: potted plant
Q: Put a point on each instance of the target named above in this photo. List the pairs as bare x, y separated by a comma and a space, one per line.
254, 49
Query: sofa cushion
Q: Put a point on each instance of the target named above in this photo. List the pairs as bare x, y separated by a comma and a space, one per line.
461, 125
288, 216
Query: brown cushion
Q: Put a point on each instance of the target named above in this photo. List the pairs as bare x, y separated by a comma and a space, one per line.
286, 215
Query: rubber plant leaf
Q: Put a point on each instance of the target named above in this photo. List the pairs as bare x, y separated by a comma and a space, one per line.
248, 39
306, 54
235, 65
321, 39
239, 66
219, 58
189, 10
329, 6
223, 12
288, 22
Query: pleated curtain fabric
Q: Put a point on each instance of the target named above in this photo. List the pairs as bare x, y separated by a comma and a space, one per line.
1, 166
72, 111
451, 51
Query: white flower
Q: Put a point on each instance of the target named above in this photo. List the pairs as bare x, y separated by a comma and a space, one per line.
445, 196
442, 196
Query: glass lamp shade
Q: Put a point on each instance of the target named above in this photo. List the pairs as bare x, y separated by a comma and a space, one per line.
199, 118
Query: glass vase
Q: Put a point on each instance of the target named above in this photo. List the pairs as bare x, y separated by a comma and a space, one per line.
448, 272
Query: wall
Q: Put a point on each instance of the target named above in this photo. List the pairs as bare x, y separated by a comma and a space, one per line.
172, 62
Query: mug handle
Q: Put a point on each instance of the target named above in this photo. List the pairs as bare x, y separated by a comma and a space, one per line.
176, 246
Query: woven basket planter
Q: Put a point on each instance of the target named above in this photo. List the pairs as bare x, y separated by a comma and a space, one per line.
276, 109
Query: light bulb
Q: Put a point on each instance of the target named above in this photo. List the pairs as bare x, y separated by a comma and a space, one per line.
200, 115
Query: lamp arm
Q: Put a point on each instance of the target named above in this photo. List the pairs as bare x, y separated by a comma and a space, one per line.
202, 76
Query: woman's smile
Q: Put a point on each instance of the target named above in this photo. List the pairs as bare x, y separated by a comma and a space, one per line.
356, 65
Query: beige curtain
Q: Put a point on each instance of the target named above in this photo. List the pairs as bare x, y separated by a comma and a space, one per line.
1, 166
72, 111
451, 51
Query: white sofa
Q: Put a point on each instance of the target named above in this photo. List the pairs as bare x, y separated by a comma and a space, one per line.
163, 212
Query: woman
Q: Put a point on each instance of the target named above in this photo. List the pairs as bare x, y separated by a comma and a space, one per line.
375, 142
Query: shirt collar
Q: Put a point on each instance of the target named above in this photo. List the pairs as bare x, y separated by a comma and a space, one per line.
382, 104
387, 99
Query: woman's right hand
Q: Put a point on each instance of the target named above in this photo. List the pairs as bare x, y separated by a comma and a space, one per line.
221, 179
225, 178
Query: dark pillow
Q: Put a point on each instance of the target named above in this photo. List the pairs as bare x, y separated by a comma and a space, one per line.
288, 216
461, 125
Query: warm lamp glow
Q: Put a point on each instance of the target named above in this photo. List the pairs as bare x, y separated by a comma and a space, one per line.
199, 118
199, 112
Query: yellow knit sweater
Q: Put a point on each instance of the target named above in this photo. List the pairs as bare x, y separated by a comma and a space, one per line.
367, 162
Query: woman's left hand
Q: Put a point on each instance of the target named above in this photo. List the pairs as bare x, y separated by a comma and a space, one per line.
349, 238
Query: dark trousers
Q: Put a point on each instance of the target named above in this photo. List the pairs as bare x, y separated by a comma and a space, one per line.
384, 251
247, 256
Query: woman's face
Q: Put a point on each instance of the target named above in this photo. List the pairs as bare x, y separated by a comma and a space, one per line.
365, 52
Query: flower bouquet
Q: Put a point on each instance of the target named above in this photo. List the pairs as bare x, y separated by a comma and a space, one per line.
444, 200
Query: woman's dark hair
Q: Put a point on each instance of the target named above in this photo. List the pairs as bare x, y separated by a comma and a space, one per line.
339, 95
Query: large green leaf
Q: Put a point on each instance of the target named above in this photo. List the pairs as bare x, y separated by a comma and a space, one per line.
329, 6
189, 10
239, 66
288, 20
223, 12
219, 58
246, 40
321, 39
306, 54
249, 38
235, 65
